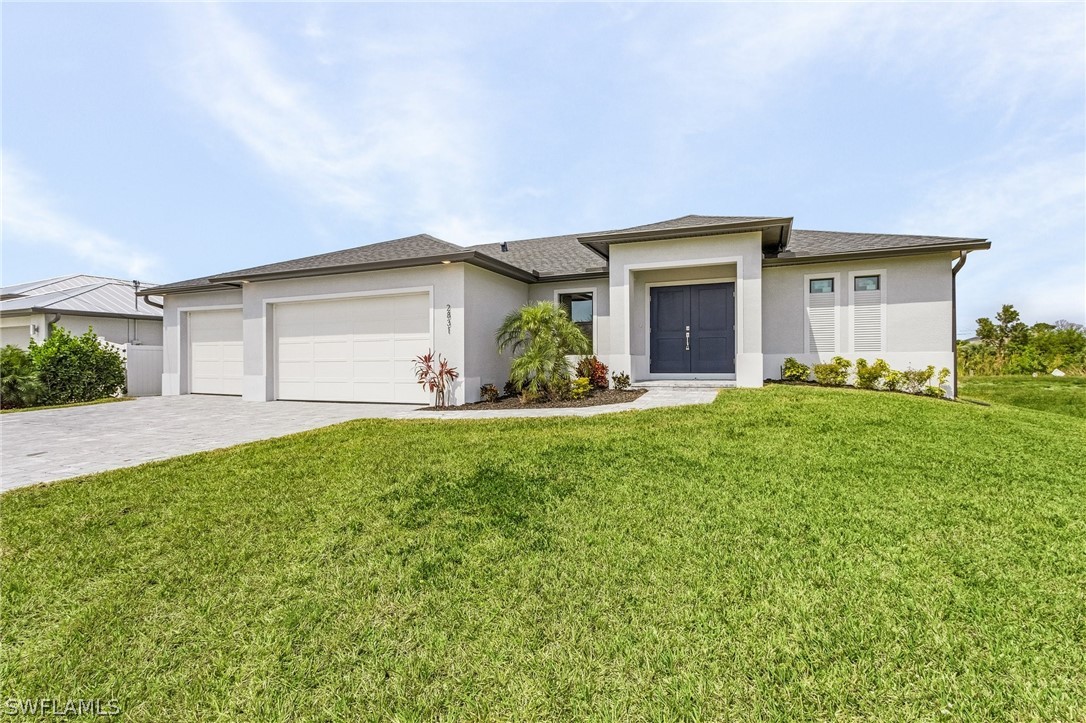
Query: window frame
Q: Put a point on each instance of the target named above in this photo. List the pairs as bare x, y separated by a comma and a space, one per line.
558, 293
851, 321
812, 279
856, 278
835, 276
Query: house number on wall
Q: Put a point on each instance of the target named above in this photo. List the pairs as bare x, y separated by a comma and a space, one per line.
448, 318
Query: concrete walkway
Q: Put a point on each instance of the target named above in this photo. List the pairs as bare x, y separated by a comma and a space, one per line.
54, 444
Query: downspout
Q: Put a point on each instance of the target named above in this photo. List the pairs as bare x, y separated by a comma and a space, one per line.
147, 300
954, 318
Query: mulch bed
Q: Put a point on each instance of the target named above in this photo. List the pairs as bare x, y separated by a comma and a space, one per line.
610, 396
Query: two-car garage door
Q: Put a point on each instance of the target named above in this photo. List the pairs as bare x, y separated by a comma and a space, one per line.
357, 349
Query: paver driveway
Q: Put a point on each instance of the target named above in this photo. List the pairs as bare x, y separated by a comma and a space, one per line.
54, 444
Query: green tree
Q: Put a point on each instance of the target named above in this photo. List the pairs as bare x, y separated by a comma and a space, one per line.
1005, 334
77, 368
541, 337
20, 385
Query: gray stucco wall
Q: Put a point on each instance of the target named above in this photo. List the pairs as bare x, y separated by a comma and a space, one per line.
918, 318
693, 258
175, 338
601, 305
488, 298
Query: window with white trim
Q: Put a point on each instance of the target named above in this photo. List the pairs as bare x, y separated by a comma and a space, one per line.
820, 309
868, 312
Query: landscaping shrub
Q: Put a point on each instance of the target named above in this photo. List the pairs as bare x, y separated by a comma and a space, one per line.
436, 375
581, 388
489, 392
893, 381
914, 381
936, 390
621, 381
594, 370
541, 337
20, 384
793, 371
833, 373
870, 376
76, 368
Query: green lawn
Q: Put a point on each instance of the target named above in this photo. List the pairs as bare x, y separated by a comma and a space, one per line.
1062, 395
784, 554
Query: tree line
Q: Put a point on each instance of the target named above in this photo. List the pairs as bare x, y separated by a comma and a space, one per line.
1007, 345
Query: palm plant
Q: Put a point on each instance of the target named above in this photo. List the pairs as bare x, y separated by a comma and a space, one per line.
541, 336
20, 385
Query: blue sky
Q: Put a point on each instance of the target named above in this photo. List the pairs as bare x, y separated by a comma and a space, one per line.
167, 141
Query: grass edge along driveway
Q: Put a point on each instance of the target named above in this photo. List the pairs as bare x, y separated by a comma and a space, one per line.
786, 553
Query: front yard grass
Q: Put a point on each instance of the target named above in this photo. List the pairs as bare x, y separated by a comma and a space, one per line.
783, 554
1062, 395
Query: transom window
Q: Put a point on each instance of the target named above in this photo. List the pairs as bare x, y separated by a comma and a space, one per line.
821, 286
866, 283
579, 307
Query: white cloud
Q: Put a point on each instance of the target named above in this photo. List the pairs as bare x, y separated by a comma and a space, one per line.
402, 137
31, 217
1030, 201
724, 61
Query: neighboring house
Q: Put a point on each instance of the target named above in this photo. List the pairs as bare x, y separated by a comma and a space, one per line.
80, 302
77, 303
697, 297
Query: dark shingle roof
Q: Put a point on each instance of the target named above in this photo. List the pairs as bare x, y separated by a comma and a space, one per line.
549, 256
411, 247
688, 221
401, 249
552, 256
804, 244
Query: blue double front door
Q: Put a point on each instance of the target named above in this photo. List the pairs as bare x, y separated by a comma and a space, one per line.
692, 329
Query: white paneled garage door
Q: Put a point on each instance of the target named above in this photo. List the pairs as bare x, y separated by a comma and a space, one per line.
215, 351
358, 349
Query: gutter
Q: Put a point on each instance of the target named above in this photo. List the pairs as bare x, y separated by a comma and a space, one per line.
960, 246
954, 317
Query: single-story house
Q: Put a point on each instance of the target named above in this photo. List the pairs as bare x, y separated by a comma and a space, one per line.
699, 297
77, 303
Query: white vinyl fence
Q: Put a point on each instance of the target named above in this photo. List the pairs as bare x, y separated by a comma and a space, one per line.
143, 367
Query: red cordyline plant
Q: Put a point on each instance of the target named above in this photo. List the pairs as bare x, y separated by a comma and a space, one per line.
435, 375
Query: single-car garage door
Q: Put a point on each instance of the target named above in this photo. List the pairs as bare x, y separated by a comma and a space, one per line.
358, 349
215, 351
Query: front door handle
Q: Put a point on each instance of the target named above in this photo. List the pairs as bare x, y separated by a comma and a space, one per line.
688, 338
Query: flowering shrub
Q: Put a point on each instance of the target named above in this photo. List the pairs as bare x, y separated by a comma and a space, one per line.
581, 388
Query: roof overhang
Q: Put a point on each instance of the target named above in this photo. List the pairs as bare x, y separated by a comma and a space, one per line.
232, 281
775, 233
962, 245
78, 312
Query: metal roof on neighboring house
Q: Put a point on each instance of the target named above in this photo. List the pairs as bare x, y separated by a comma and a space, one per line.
540, 259
77, 294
